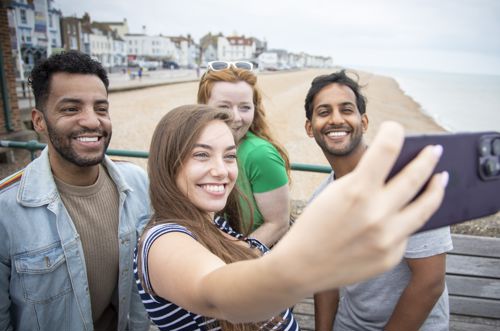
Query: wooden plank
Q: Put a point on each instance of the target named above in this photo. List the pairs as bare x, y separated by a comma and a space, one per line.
306, 308
466, 323
462, 326
473, 266
475, 245
475, 307
304, 314
305, 322
474, 287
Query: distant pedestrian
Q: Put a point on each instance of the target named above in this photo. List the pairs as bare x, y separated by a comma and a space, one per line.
139, 73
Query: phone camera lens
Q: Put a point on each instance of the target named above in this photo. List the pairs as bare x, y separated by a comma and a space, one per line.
485, 147
495, 145
491, 167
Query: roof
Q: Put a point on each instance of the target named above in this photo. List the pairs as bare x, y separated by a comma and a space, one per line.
240, 40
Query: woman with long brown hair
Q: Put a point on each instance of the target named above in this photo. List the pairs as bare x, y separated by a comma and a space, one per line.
263, 163
194, 272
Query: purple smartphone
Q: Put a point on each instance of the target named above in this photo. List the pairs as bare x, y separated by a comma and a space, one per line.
473, 162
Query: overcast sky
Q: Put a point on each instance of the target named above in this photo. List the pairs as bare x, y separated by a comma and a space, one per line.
445, 35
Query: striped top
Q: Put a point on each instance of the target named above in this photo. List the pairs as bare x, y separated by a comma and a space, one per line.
167, 315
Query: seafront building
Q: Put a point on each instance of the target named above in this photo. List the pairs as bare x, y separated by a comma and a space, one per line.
37, 29
35, 32
11, 124
31, 30
188, 51
149, 51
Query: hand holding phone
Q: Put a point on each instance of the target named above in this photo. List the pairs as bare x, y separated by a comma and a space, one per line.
472, 161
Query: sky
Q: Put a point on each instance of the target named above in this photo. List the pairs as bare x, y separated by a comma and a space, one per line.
437, 35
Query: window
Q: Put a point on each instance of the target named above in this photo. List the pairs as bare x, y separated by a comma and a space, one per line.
24, 20
51, 24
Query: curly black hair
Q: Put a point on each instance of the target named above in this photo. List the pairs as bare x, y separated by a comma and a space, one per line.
339, 77
74, 62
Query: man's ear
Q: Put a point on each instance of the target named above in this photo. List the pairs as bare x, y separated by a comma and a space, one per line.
364, 122
38, 121
308, 127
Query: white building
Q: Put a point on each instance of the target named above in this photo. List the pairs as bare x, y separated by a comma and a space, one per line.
141, 47
106, 46
208, 48
318, 61
274, 59
187, 51
219, 47
296, 60
268, 61
235, 48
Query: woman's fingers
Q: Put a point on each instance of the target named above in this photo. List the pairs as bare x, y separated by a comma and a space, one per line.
415, 214
378, 160
409, 181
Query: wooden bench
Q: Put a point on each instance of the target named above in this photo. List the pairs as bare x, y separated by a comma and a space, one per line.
473, 279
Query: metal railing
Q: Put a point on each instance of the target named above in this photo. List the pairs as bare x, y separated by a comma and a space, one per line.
34, 146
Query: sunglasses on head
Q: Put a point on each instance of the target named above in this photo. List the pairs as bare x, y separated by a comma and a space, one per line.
222, 65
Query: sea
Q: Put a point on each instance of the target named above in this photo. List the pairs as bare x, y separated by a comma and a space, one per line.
459, 102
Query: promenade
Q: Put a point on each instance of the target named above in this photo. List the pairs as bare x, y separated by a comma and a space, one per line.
124, 81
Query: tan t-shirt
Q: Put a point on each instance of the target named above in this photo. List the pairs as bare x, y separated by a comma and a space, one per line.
94, 211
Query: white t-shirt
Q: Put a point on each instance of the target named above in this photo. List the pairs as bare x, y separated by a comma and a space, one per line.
369, 305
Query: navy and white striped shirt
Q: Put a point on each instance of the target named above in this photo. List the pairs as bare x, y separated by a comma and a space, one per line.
170, 317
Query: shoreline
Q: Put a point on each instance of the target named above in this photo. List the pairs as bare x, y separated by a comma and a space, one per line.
432, 117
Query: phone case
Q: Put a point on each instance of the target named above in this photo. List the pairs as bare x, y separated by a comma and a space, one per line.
473, 163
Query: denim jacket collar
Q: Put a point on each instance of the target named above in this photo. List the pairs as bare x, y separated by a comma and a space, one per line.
37, 186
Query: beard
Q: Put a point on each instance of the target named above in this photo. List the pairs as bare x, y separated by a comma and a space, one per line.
62, 144
355, 139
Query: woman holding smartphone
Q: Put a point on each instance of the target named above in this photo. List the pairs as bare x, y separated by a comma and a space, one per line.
196, 273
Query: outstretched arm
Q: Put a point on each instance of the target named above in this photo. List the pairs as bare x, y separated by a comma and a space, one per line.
419, 297
371, 223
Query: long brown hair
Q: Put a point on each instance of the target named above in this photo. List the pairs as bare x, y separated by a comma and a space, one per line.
173, 140
259, 125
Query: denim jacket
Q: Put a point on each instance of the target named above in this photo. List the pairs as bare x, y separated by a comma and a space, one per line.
43, 280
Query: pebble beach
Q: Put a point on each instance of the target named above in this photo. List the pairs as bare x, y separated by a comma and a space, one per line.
135, 114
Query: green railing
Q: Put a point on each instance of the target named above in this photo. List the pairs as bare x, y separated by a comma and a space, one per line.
34, 145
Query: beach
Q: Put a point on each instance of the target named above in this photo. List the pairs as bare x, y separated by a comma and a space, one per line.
135, 114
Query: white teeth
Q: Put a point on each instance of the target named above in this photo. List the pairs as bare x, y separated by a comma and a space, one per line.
214, 188
87, 139
337, 134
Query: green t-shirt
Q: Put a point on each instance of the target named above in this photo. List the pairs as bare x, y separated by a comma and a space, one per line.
261, 169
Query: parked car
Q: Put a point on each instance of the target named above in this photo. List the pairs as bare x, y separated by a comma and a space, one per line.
150, 65
170, 65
